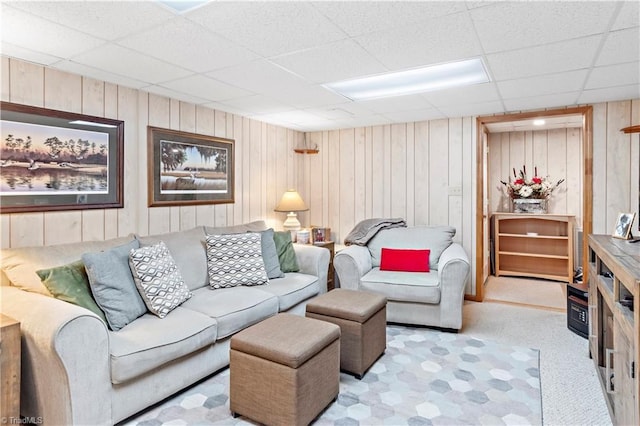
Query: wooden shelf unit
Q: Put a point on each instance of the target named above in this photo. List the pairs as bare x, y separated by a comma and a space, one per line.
614, 328
534, 245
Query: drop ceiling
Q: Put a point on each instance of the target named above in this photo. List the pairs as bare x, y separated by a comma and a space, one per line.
268, 60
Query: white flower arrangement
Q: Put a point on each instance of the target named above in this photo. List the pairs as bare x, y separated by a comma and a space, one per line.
534, 188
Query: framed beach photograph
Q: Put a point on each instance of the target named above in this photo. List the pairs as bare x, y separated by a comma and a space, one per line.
623, 226
57, 160
189, 169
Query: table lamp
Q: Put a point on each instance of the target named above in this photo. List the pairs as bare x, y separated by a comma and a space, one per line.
291, 203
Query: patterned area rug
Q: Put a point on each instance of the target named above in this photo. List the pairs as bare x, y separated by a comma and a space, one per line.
425, 377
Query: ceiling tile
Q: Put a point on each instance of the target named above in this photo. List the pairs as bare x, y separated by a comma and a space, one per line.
57, 40
9, 49
383, 15
258, 104
550, 58
208, 88
332, 62
415, 115
346, 110
622, 74
621, 46
463, 95
414, 45
99, 74
542, 85
401, 103
183, 43
302, 96
513, 25
168, 93
256, 76
610, 94
118, 60
396, 103
268, 28
472, 109
108, 20
364, 121
541, 102
628, 17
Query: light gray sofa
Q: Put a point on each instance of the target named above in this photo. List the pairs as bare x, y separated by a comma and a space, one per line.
77, 371
431, 298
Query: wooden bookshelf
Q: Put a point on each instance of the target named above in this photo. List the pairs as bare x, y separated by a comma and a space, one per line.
534, 245
614, 323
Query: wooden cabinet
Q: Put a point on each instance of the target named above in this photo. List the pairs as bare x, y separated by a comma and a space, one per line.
614, 323
9, 369
330, 245
534, 245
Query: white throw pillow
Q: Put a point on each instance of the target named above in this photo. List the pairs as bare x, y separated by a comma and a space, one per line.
158, 278
235, 259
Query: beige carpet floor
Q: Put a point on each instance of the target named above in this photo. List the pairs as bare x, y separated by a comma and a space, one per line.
526, 291
532, 313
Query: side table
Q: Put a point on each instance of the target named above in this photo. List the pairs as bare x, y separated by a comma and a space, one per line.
330, 245
9, 369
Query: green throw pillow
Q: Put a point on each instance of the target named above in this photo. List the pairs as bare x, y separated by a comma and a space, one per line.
286, 253
71, 284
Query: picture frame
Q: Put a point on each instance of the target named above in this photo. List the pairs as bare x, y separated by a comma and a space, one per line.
54, 160
189, 168
623, 226
320, 234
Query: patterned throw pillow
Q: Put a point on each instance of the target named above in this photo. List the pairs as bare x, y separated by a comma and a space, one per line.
158, 278
235, 259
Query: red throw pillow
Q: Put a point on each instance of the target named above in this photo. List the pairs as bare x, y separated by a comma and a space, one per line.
405, 260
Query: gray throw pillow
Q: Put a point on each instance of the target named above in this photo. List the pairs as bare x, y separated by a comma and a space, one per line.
235, 260
158, 278
112, 285
270, 255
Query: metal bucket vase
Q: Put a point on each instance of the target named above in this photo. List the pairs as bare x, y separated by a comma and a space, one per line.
529, 205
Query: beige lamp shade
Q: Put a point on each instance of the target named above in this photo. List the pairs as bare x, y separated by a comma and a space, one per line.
291, 202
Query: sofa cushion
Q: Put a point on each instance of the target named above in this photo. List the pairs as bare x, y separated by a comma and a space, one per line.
286, 252
421, 287
233, 308
292, 289
112, 285
270, 255
256, 226
406, 260
150, 342
158, 279
188, 250
235, 259
434, 238
71, 284
19, 265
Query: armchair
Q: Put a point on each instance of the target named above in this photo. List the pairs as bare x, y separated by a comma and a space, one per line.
433, 298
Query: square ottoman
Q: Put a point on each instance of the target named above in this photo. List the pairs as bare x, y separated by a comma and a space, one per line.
362, 318
284, 370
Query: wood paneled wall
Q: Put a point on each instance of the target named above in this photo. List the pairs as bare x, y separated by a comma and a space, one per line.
616, 164
556, 153
421, 171
265, 162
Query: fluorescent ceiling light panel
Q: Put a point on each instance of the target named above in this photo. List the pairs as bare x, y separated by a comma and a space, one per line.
417, 80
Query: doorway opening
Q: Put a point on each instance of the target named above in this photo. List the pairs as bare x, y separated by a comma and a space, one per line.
517, 121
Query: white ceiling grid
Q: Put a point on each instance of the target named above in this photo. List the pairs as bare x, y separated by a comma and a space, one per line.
267, 60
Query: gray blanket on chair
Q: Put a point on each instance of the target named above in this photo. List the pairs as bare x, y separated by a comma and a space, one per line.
368, 228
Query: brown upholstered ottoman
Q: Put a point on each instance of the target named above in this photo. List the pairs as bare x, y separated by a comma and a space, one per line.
362, 318
284, 370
